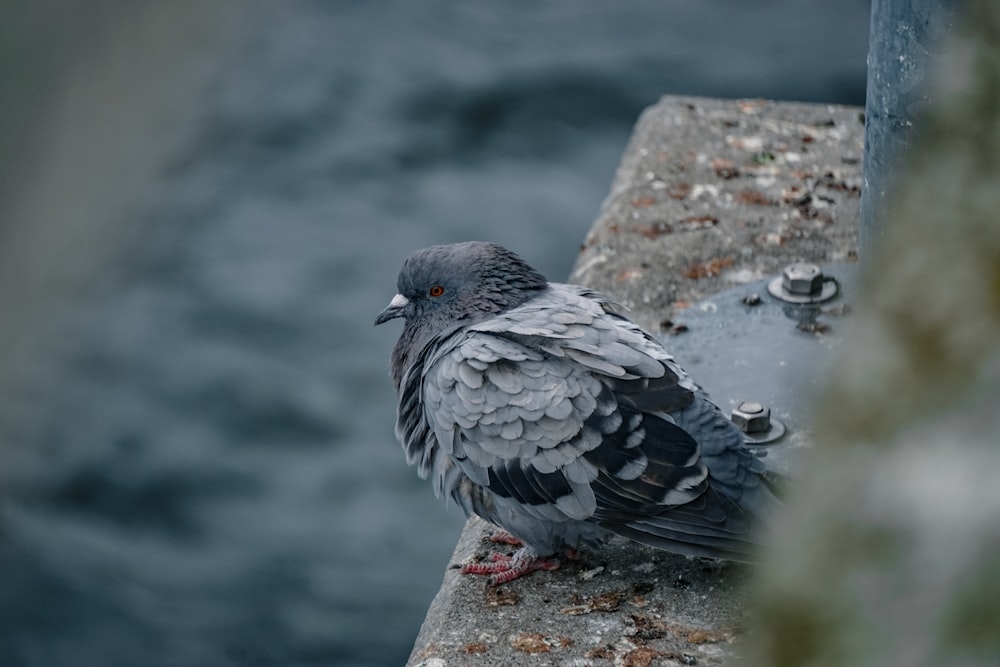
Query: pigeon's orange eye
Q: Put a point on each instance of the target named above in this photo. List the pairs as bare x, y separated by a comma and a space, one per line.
436, 291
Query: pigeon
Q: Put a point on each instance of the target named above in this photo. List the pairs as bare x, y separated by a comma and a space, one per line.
541, 408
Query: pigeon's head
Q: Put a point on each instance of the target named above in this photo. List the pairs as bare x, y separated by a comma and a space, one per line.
461, 281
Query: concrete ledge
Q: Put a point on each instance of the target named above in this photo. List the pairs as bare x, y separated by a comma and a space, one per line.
709, 194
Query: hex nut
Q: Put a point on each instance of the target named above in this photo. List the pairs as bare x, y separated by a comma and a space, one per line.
752, 417
802, 278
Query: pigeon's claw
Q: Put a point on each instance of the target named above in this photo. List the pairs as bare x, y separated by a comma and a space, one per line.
503, 568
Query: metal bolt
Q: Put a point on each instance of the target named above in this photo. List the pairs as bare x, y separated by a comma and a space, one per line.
802, 283
752, 417
802, 278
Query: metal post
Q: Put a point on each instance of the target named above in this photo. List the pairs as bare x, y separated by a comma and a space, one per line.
903, 45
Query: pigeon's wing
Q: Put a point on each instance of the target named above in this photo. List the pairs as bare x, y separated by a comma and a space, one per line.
550, 406
587, 328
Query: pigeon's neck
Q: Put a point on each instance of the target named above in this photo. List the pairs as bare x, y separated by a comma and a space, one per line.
412, 342
407, 350
492, 302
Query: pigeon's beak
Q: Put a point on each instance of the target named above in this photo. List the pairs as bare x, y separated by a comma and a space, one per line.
393, 310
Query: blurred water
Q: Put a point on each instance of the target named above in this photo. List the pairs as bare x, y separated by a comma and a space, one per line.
202, 471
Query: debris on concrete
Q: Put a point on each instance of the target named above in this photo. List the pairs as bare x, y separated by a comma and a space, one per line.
713, 193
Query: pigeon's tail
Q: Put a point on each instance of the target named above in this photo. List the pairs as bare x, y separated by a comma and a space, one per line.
713, 526
724, 514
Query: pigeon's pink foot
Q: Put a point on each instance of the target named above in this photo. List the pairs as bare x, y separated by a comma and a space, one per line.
501, 536
504, 568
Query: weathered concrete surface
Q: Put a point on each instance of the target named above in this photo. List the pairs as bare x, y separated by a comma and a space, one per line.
624, 602
710, 193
